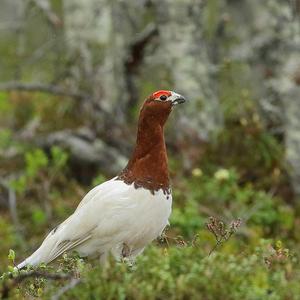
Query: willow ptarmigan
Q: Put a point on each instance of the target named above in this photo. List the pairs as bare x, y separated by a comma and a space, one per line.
122, 215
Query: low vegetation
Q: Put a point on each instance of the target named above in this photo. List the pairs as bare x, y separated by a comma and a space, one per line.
233, 232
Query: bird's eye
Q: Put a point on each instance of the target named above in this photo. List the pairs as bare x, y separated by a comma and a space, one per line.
163, 97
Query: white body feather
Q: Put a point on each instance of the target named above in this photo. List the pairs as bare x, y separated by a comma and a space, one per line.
111, 215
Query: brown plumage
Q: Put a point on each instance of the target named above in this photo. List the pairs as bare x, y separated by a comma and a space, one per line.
148, 166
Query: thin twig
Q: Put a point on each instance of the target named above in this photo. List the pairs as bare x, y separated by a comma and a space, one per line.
218, 243
12, 201
221, 232
71, 284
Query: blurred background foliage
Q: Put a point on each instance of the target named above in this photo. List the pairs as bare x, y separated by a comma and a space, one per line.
73, 76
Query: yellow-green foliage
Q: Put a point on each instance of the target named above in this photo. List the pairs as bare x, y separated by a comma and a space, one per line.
178, 272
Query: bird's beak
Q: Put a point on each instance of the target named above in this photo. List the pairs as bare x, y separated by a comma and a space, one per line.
176, 99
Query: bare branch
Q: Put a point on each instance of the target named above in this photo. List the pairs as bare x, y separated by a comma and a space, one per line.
138, 45
136, 51
12, 203
41, 87
45, 7
8, 286
73, 282
85, 149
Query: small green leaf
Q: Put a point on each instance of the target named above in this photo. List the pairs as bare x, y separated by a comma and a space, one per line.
278, 245
35, 161
11, 255
59, 157
39, 292
10, 269
39, 217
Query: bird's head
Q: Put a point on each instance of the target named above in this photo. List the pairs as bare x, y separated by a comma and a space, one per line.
158, 106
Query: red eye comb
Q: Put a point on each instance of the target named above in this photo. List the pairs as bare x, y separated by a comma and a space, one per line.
160, 93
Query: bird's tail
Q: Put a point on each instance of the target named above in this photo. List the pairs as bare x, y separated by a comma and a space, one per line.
42, 254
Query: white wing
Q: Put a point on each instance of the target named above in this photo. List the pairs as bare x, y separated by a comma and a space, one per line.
104, 188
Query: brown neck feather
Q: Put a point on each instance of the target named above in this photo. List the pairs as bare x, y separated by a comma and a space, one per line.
148, 166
